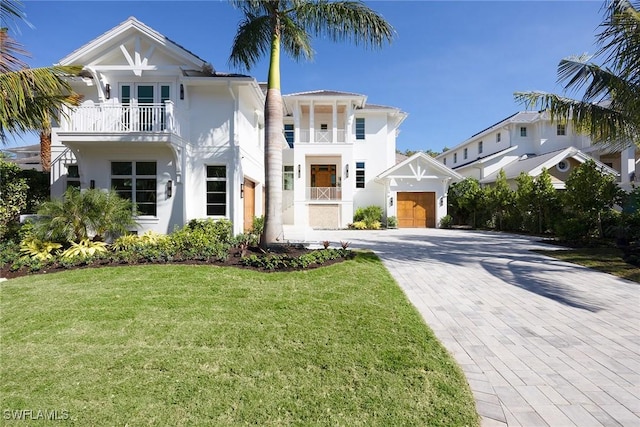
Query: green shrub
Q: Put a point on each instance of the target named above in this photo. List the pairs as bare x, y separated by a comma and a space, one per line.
84, 249
37, 249
203, 239
358, 225
392, 222
573, 229
368, 215
446, 221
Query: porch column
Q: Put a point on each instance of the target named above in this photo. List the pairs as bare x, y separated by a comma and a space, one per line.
312, 126
296, 123
335, 122
348, 123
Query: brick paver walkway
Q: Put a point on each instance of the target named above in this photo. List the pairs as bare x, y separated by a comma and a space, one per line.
541, 342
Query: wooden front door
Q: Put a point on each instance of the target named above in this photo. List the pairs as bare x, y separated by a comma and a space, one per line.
249, 203
416, 210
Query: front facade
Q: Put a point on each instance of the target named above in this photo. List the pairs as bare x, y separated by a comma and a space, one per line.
182, 141
529, 141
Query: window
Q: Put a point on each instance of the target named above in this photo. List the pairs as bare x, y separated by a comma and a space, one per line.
73, 176
287, 178
523, 131
561, 129
289, 134
445, 160
216, 190
359, 128
137, 182
323, 126
562, 166
480, 147
498, 137
359, 174
466, 153
455, 157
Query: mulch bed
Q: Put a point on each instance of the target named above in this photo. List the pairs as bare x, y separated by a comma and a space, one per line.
233, 260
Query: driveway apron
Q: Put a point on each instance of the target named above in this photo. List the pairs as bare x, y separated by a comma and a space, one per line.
541, 342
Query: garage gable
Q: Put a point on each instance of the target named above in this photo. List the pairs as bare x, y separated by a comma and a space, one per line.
420, 167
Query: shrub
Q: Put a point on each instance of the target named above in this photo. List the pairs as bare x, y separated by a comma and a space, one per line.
446, 221
368, 215
37, 249
84, 249
573, 229
392, 222
358, 225
202, 239
13, 190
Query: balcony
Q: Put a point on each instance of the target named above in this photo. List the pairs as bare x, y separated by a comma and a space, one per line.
115, 118
324, 193
322, 136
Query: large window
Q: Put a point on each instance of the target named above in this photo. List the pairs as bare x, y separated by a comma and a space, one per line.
216, 190
287, 178
289, 134
73, 176
136, 181
359, 128
359, 174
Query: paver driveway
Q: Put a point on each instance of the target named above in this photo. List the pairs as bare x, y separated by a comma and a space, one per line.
542, 342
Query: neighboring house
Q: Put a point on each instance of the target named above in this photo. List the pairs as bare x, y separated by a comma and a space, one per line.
529, 141
27, 157
183, 141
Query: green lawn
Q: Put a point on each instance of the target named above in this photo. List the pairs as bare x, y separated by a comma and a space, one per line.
200, 345
608, 260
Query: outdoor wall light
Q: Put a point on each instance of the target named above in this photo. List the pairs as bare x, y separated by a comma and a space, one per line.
181, 91
107, 91
346, 170
391, 201
299, 171
169, 189
441, 201
92, 184
242, 191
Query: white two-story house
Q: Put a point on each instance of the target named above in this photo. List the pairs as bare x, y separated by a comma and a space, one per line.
529, 142
163, 128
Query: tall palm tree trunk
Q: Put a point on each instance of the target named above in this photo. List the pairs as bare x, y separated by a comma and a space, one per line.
273, 149
45, 149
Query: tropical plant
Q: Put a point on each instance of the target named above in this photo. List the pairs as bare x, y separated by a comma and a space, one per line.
270, 25
610, 106
446, 221
29, 97
77, 214
13, 195
84, 249
369, 215
37, 249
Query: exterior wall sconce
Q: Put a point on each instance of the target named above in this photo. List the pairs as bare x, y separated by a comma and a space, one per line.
299, 172
242, 191
92, 184
346, 170
107, 91
441, 201
391, 201
181, 91
169, 189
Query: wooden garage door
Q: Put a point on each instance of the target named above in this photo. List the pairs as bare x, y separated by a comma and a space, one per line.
416, 210
249, 203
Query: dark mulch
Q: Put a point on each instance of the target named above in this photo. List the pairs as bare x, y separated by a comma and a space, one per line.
233, 260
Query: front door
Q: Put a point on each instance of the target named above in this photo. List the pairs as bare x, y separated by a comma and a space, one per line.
249, 204
323, 180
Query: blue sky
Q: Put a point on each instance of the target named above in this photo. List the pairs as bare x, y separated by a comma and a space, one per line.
453, 66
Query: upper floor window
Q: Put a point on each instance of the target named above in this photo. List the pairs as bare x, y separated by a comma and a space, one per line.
444, 160
480, 147
523, 131
287, 178
136, 181
323, 126
359, 174
359, 128
561, 129
498, 137
289, 134
466, 153
73, 176
455, 157
216, 190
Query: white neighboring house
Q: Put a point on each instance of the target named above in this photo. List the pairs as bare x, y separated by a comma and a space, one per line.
529, 141
183, 141
26, 157
162, 128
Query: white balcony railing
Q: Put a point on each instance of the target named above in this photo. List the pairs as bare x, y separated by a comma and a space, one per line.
324, 193
123, 118
322, 136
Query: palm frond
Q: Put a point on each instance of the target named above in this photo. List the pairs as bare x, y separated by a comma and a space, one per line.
344, 20
10, 49
295, 40
252, 40
620, 38
29, 97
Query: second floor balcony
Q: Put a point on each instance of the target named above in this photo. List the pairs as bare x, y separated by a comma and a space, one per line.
322, 136
120, 118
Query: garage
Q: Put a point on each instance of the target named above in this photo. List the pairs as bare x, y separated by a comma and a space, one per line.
416, 210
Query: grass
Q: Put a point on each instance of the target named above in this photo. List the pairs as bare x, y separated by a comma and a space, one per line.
605, 259
202, 345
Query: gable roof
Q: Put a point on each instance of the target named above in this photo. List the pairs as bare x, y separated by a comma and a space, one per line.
419, 159
533, 165
83, 54
324, 92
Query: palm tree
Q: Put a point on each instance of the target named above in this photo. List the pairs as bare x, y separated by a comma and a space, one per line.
270, 25
610, 107
29, 97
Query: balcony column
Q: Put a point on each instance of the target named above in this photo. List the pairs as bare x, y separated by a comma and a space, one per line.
349, 124
312, 126
628, 165
169, 118
334, 138
296, 123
